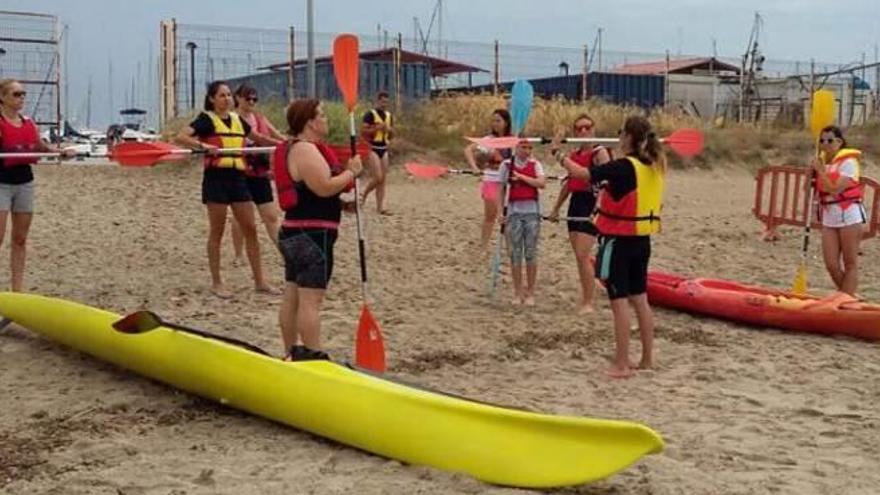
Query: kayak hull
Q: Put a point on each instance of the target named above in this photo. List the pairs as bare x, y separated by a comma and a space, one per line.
838, 314
492, 443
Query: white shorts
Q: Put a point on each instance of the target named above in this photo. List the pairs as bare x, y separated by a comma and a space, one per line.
836, 217
17, 198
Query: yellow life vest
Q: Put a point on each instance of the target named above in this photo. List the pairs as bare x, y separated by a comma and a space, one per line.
638, 212
224, 136
380, 138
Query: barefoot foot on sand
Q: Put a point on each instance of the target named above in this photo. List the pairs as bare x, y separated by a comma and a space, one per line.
221, 291
529, 301
586, 309
267, 289
616, 372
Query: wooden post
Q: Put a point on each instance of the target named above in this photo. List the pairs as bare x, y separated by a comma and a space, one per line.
168, 71
397, 70
584, 75
291, 70
666, 82
812, 90
497, 69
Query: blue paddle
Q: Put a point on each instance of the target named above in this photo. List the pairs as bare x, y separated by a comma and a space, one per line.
521, 97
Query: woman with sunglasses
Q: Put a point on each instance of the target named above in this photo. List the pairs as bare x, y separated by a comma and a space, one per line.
18, 134
257, 174
841, 210
581, 233
628, 214
487, 163
223, 185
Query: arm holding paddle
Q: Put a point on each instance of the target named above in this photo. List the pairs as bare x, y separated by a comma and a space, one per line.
186, 137
314, 171
574, 169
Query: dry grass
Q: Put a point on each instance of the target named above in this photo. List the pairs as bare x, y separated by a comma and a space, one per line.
438, 127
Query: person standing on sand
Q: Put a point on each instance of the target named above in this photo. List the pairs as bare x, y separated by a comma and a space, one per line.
309, 180
842, 213
526, 177
18, 134
223, 184
490, 185
628, 214
257, 174
378, 129
582, 233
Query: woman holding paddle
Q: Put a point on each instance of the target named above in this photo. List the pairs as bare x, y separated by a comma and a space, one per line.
841, 213
489, 163
257, 174
223, 184
309, 180
581, 233
628, 214
18, 134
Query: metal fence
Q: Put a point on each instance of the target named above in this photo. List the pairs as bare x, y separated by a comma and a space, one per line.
202, 53
30, 51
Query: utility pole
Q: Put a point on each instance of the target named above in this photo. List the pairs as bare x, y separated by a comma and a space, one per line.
310, 15
439, 28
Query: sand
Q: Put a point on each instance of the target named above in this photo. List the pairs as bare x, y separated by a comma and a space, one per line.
743, 410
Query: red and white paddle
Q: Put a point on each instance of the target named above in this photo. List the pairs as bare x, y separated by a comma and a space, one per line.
684, 142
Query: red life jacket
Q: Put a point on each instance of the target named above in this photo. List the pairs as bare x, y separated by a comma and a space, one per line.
287, 195
519, 190
584, 159
257, 163
18, 139
850, 195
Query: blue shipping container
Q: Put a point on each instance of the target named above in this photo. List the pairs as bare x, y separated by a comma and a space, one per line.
415, 81
621, 89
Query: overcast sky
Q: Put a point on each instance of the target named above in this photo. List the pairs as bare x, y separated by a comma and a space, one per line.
125, 31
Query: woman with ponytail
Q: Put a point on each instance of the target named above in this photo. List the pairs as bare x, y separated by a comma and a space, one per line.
628, 214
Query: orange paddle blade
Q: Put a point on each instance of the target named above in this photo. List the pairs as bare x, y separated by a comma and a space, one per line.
685, 142
369, 344
134, 154
345, 67
496, 143
423, 171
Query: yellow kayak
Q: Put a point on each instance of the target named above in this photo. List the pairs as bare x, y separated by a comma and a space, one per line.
492, 443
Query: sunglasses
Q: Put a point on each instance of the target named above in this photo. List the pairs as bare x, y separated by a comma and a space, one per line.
583, 127
19, 94
827, 141
252, 99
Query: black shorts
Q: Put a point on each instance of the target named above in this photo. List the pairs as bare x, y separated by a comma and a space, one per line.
260, 189
308, 256
622, 264
380, 152
582, 204
224, 186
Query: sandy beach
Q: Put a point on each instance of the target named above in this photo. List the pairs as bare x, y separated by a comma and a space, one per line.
743, 410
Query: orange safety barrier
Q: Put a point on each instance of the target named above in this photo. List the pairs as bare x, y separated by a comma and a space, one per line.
781, 197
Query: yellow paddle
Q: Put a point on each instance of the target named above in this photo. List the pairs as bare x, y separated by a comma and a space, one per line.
821, 116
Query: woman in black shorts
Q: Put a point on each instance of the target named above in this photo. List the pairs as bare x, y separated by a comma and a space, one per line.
581, 233
223, 184
628, 214
309, 181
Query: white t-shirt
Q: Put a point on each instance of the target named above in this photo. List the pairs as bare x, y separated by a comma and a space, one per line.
833, 215
522, 206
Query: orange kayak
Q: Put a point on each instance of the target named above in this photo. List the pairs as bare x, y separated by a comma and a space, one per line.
836, 314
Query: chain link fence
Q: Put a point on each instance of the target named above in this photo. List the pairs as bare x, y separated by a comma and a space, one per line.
30, 51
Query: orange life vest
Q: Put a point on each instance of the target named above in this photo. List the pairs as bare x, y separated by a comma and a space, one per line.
849, 195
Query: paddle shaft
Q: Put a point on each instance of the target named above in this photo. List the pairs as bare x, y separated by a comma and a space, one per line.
52, 155
570, 219
496, 259
362, 258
